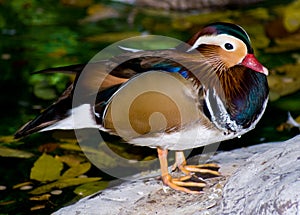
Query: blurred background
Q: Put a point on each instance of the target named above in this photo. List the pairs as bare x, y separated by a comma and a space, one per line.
44, 172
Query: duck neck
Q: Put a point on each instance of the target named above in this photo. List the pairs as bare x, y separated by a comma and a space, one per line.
238, 100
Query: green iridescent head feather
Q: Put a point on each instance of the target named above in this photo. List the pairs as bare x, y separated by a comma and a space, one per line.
230, 29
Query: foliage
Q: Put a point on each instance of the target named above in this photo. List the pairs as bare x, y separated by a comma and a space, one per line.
62, 183
8, 152
46, 168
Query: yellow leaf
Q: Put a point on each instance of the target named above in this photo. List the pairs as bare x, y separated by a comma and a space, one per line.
258, 13
7, 202
8, 152
22, 184
90, 188
285, 81
46, 168
70, 159
291, 19
204, 18
76, 170
288, 43
7, 139
99, 12
112, 37
62, 183
37, 207
70, 146
43, 197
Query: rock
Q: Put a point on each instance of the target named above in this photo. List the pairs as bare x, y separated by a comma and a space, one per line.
260, 179
267, 183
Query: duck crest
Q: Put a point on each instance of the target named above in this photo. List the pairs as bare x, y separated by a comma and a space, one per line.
224, 28
236, 31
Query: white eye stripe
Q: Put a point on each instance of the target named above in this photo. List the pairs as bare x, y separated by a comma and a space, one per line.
216, 40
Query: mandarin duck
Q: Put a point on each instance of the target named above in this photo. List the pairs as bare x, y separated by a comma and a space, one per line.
208, 90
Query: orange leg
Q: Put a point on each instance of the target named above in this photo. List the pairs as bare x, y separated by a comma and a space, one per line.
175, 183
180, 163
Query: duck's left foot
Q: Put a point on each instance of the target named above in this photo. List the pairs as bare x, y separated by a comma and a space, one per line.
208, 170
202, 170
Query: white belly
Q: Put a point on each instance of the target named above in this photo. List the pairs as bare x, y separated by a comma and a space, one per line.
182, 140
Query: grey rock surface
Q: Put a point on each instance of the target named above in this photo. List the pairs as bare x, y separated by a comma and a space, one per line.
260, 179
267, 183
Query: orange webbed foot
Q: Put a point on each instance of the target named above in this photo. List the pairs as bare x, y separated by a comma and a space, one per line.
193, 181
183, 184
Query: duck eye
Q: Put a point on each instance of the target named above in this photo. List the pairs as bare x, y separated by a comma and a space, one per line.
228, 46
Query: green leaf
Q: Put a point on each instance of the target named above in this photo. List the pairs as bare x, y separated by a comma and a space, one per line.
62, 183
7, 152
90, 188
76, 170
46, 168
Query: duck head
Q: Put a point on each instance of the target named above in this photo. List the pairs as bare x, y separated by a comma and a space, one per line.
226, 45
